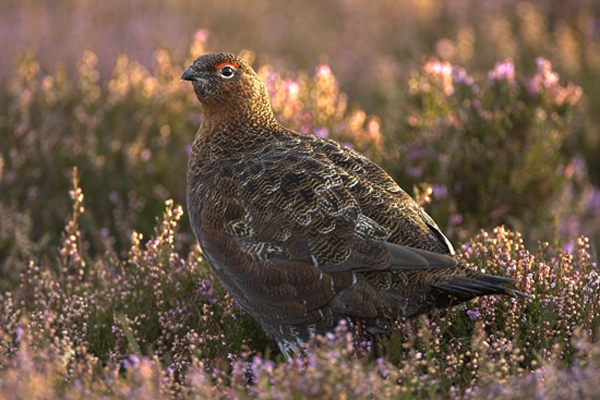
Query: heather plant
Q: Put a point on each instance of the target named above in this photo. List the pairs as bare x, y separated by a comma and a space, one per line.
100, 296
370, 48
54, 122
152, 303
157, 324
489, 147
126, 134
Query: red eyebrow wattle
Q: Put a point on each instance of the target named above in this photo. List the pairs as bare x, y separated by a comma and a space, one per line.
233, 65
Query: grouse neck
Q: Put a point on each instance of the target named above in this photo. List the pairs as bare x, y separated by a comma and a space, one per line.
239, 131
243, 119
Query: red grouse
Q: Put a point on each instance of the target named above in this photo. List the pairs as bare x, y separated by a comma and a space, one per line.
302, 231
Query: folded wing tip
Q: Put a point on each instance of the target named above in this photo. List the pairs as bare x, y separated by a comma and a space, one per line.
406, 257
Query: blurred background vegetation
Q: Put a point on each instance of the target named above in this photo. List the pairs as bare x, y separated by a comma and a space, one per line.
95, 85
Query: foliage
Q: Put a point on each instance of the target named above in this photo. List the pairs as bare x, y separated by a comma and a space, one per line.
122, 135
489, 146
90, 308
371, 49
154, 324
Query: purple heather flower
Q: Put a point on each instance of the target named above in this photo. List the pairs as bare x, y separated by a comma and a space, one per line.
545, 76
456, 219
259, 365
474, 314
321, 132
291, 87
20, 332
201, 35
367, 345
443, 70
414, 172
503, 71
569, 246
543, 64
146, 154
533, 85
460, 76
383, 369
576, 167
135, 361
206, 290
415, 154
440, 191
238, 368
593, 203
271, 78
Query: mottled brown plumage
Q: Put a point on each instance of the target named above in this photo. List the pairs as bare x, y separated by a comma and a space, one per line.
302, 231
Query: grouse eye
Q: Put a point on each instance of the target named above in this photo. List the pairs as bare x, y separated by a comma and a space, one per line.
227, 71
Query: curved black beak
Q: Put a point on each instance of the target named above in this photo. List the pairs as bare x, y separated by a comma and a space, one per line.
189, 75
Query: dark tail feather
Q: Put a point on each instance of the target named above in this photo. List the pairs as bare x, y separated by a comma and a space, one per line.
465, 289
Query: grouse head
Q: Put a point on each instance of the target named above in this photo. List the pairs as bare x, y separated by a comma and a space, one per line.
225, 84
